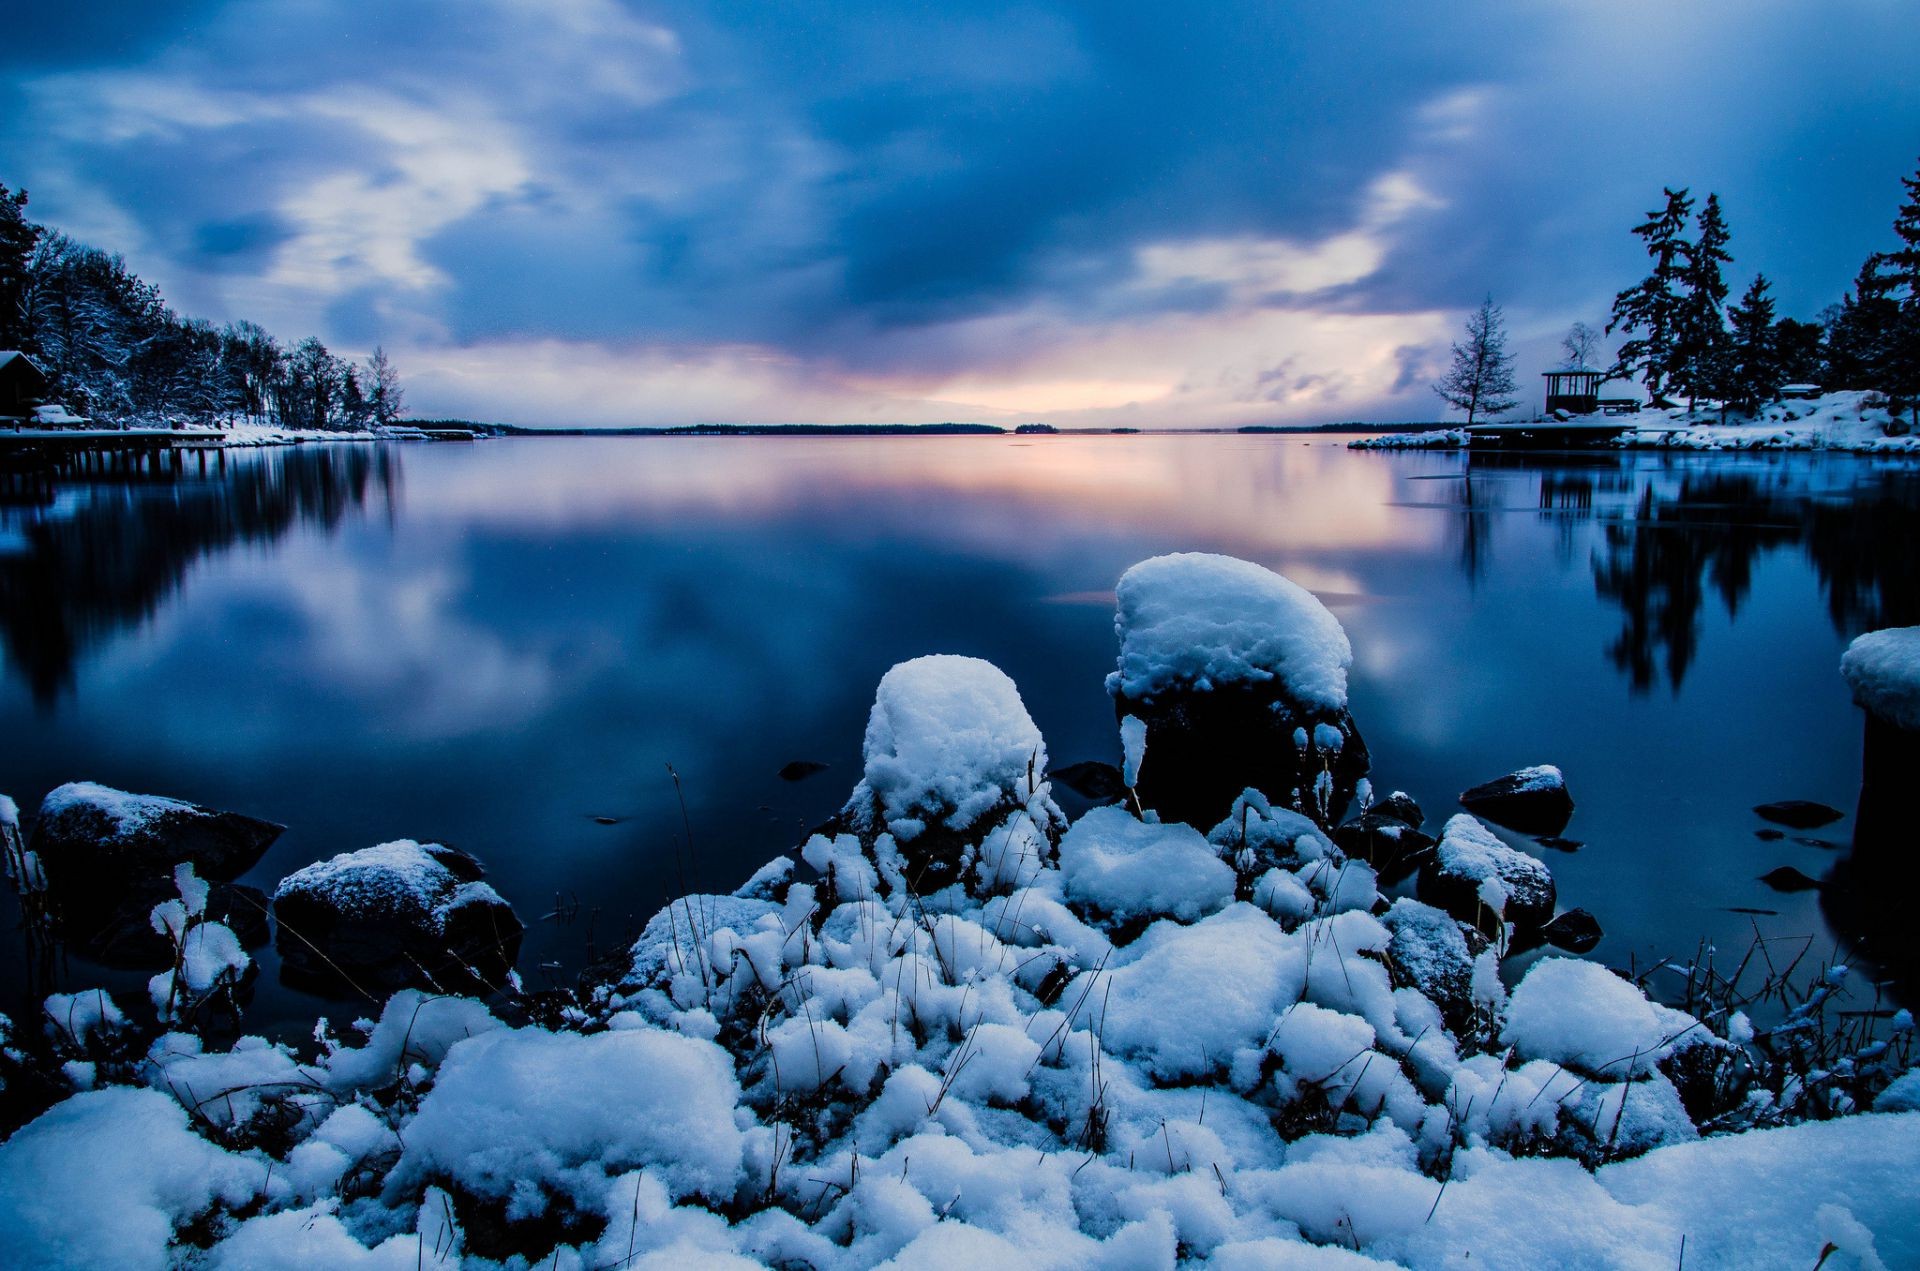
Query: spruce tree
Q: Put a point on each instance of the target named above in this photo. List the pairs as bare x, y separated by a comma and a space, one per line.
1754, 362
1900, 268
1650, 311
1480, 380
1700, 358
18, 236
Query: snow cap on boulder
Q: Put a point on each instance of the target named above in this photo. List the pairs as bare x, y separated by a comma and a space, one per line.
1199, 620
1883, 670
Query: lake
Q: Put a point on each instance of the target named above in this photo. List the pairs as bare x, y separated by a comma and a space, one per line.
504, 645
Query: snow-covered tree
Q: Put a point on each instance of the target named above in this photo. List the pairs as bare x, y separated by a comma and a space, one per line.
18, 236
1651, 311
1700, 355
1752, 364
1480, 379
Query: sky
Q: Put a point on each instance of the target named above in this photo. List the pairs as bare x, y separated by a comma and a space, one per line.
1110, 214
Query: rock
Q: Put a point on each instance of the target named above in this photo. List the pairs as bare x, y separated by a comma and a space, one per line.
1576, 931
1559, 844
952, 765
1091, 779
1239, 678
92, 836
1532, 800
1825, 845
1769, 836
801, 769
123, 935
402, 914
1481, 881
1400, 806
1787, 878
1390, 845
1798, 814
1431, 952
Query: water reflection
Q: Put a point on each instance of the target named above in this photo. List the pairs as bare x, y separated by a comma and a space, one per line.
90, 551
525, 642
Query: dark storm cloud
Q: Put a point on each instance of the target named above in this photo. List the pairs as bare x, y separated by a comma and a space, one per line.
865, 185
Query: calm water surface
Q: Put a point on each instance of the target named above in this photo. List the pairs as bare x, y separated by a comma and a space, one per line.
492, 645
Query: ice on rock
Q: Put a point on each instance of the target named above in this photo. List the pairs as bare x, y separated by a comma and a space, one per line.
1129, 868
1197, 619
950, 755
1582, 1015
1133, 747
1883, 670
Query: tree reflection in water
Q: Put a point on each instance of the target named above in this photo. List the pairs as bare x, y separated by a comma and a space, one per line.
93, 550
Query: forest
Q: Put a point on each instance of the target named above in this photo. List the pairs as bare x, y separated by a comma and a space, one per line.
114, 350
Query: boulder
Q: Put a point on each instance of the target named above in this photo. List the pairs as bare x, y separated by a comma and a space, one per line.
1389, 844
122, 934
1234, 677
1576, 931
399, 915
1400, 806
1431, 952
1097, 782
94, 836
1481, 881
1532, 800
1787, 878
952, 766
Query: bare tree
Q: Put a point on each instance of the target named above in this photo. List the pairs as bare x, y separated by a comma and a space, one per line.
1579, 347
1480, 381
385, 399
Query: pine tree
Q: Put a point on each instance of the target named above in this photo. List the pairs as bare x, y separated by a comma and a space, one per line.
1900, 268
1481, 377
1650, 311
18, 237
1753, 371
1700, 356
1797, 348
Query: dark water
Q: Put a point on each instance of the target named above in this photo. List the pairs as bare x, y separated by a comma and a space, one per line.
491, 645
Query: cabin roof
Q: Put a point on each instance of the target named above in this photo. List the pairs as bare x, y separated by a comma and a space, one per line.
10, 356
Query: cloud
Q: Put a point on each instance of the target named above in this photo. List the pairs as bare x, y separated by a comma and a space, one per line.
1073, 210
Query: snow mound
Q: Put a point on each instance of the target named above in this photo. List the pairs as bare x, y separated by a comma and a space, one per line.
402, 877
517, 1109
1199, 620
1131, 868
948, 742
125, 813
1432, 439
104, 1179
1584, 1016
1883, 670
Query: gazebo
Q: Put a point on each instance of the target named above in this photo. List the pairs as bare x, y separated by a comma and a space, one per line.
1576, 391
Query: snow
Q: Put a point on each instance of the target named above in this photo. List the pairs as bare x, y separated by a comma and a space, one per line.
1580, 1014
1856, 421
948, 742
1539, 777
1469, 850
517, 1110
401, 877
1883, 670
1133, 746
1130, 868
1202, 621
103, 1179
127, 813
77, 1019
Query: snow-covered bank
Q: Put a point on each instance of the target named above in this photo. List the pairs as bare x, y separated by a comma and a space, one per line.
1116, 1043
1854, 422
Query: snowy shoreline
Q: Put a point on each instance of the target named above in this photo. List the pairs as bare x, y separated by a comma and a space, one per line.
1848, 422
962, 1030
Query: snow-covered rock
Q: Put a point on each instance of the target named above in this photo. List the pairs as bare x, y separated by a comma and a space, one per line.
91, 836
951, 759
1582, 1015
397, 914
1480, 880
1532, 800
1231, 676
1883, 670
1127, 868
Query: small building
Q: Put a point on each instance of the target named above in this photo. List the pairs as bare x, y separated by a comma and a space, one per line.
23, 385
1799, 392
1576, 391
